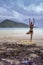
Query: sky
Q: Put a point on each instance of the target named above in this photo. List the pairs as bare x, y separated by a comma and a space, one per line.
22, 10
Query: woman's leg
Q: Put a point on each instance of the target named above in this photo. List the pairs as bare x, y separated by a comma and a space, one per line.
28, 32
31, 36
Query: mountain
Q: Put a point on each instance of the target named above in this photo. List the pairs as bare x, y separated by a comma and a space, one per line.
10, 23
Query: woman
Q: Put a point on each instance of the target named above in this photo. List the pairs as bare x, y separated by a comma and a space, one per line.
31, 26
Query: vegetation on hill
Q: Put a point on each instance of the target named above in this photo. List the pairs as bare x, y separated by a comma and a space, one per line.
10, 23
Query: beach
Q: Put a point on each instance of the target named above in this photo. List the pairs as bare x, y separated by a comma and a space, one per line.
16, 48
19, 35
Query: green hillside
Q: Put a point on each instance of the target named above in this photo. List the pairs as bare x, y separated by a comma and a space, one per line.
10, 23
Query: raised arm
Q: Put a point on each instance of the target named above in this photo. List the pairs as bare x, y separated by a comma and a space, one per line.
33, 21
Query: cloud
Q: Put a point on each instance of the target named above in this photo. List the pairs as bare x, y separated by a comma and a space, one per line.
5, 11
33, 7
36, 8
18, 16
2, 10
9, 12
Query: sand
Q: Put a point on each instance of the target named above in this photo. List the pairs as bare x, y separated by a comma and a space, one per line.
20, 36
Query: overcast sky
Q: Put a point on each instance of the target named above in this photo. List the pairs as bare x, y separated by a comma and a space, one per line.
21, 10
